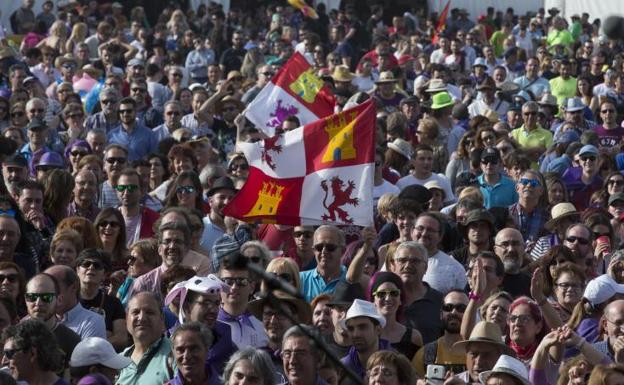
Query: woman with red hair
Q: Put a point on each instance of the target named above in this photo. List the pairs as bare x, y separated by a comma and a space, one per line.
526, 328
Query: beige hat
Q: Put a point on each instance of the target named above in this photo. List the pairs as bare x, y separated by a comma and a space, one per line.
403, 147
434, 184
487, 332
436, 85
491, 115
303, 310
342, 74
386, 77
548, 100
559, 211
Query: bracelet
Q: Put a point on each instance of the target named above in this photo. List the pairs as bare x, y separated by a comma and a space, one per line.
474, 296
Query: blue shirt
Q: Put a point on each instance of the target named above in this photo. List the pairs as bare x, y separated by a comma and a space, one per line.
85, 323
140, 142
312, 284
502, 194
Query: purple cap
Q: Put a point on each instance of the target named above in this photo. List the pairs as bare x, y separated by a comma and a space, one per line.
51, 159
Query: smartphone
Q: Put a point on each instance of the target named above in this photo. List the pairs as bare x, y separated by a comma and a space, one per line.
435, 374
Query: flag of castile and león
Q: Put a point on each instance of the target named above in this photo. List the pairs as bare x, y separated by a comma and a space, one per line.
321, 172
294, 90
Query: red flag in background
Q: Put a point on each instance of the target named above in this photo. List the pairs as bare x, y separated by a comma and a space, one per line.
441, 22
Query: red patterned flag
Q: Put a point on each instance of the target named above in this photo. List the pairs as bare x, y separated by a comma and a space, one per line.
294, 90
318, 173
441, 26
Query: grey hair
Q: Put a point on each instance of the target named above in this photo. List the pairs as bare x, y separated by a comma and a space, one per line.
31, 101
205, 334
341, 236
210, 171
259, 360
303, 331
266, 254
414, 246
172, 102
110, 91
530, 104
96, 131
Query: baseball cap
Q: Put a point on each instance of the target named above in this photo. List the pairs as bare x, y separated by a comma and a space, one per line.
97, 351
490, 153
16, 160
36, 124
602, 288
588, 149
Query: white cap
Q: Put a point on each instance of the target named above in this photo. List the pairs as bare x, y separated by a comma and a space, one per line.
601, 289
204, 285
96, 350
361, 308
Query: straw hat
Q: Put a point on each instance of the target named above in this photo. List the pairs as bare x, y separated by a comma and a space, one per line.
403, 147
486, 332
487, 83
92, 71
436, 85
229, 100
303, 312
342, 74
386, 77
558, 212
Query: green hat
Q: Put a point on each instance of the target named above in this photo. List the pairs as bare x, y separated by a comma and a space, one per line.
441, 100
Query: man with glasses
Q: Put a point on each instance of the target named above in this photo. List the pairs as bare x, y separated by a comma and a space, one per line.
578, 238
41, 300
613, 324
173, 241
84, 201
247, 330
264, 74
442, 351
532, 137
582, 182
528, 213
108, 118
444, 273
610, 133
115, 160
139, 219
329, 243
498, 190
509, 247
72, 314
302, 252
138, 139
146, 115
301, 356
173, 117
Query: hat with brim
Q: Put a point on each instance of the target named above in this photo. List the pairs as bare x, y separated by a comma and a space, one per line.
345, 293
61, 60
475, 216
342, 74
434, 185
50, 159
93, 72
229, 100
573, 104
485, 332
549, 100
223, 183
508, 87
616, 197
37, 124
441, 100
362, 308
16, 160
302, 309
559, 212
480, 62
402, 146
510, 366
386, 77
436, 85
487, 84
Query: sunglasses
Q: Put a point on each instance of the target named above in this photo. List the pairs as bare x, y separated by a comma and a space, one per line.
489, 161
45, 297
608, 111
327, 246
448, 307
128, 111
185, 189
529, 182
79, 153
386, 293
17, 114
242, 166
9, 353
173, 113
580, 240
86, 264
240, 282
108, 101
586, 158
616, 182
108, 223
305, 234
113, 160
126, 187
12, 278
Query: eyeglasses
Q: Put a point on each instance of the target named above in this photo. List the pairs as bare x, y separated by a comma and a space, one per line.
448, 307
489, 160
405, 260
283, 276
607, 111
86, 264
240, 166
78, 153
9, 353
387, 294
615, 182
520, 319
529, 182
254, 258
126, 187
185, 189
17, 114
45, 297
267, 73
12, 278
287, 354
586, 158
330, 247
127, 111
240, 282
108, 223
113, 160
138, 89
108, 101
572, 239
567, 285
305, 234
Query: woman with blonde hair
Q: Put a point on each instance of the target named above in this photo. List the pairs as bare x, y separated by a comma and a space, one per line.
177, 17
285, 269
65, 247
78, 35
607, 375
57, 39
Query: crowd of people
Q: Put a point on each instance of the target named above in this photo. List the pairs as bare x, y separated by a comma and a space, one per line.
496, 255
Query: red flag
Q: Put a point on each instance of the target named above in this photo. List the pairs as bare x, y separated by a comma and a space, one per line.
441, 22
294, 90
319, 173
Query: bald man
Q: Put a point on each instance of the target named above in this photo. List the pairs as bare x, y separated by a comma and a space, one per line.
83, 322
509, 247
613, 323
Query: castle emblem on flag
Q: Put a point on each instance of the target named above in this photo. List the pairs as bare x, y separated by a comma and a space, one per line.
340, 144
341, 198
269, 198
307, 86
270, 144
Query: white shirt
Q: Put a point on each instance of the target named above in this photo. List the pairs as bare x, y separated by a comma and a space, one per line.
245, 336
444, 273
410, 179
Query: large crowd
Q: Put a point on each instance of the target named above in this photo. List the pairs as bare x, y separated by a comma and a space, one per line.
496, 257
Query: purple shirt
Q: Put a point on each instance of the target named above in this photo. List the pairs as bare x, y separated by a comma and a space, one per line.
609, 138
213, 378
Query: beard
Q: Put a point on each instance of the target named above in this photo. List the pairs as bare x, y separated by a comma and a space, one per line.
512, 262
451, 328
